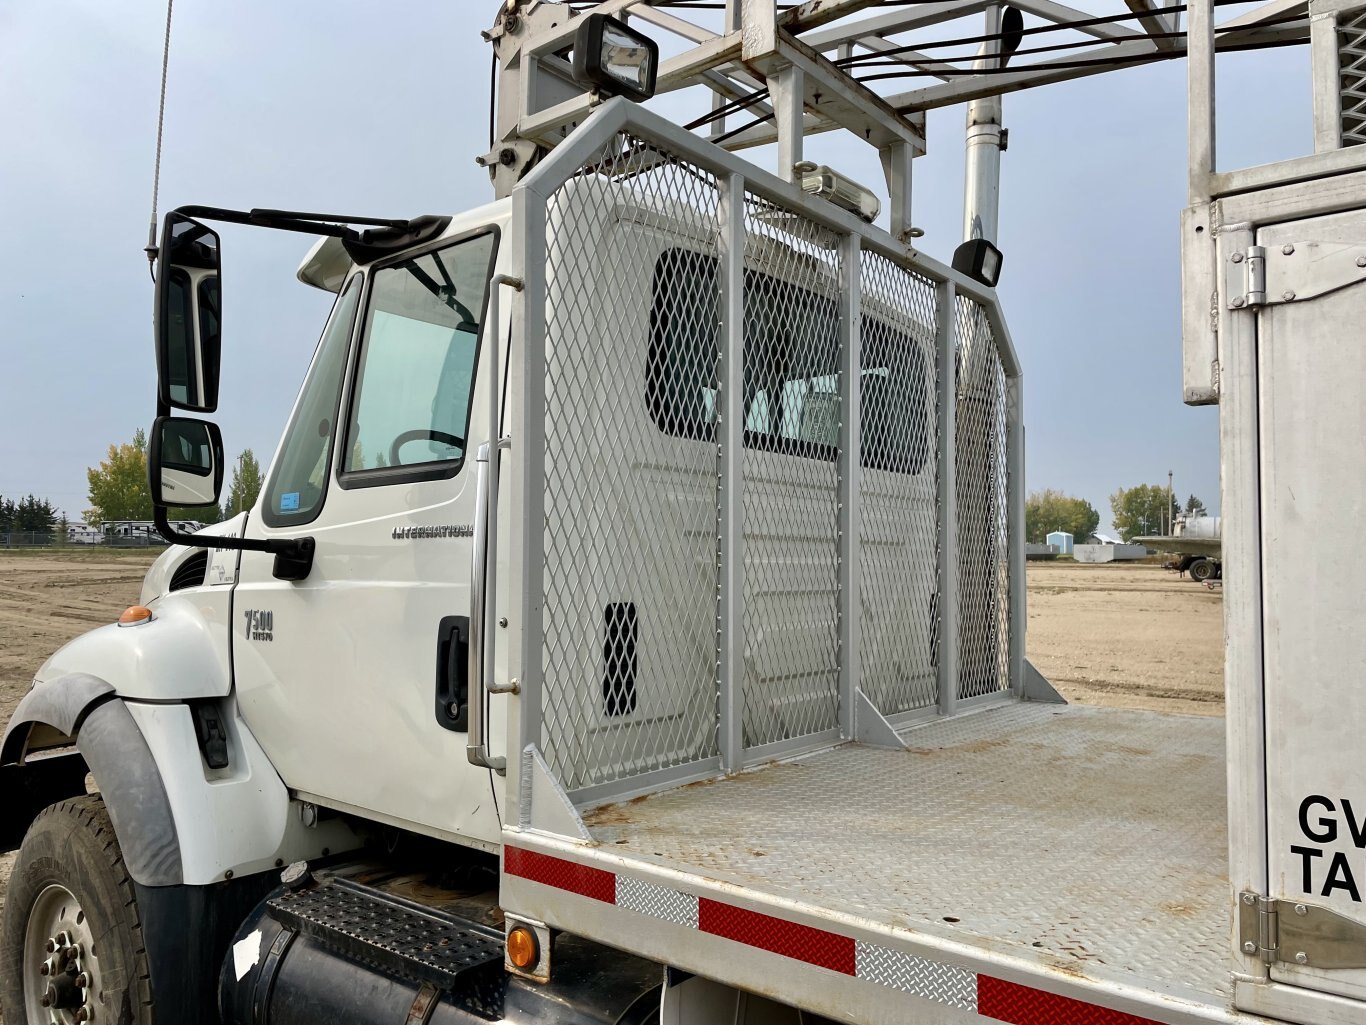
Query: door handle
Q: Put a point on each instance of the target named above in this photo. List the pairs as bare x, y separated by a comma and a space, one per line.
452, 673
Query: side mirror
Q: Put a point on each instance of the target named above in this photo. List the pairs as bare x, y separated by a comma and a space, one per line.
185, 465
188, 315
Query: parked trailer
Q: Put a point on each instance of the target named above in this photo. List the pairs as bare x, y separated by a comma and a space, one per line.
1196, 547
731, 719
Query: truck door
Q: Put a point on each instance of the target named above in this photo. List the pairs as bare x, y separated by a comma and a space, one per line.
1312, 378
350, 679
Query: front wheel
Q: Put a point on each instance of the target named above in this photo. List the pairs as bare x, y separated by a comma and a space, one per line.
71, 945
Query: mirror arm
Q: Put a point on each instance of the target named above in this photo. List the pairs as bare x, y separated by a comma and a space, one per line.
283, 220
293, 555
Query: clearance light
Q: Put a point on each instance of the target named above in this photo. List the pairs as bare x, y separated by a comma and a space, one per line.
822, 181
523, 950
135, 615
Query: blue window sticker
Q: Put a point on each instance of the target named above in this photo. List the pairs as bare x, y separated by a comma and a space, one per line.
289, 502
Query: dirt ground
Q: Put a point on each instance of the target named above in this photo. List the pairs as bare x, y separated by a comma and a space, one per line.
1125, 634
45, 600
1131, 635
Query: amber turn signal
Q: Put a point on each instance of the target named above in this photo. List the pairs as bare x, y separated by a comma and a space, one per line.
135, 615
523, 950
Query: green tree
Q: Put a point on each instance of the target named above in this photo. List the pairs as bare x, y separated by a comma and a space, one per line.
246, 484
1050, 510
34, 515
29, 515
1143, 510
118, 486
1195, 507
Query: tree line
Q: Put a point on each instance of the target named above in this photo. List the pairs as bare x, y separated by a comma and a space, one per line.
1140, 511
28, 515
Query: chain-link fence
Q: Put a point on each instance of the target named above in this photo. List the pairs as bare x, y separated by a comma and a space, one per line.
76, 542
637, 379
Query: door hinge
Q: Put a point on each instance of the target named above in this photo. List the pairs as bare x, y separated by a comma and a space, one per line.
1293, 932
1293, 272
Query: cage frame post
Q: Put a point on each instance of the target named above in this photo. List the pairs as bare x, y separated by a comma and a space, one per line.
946, 375
730, 456
850, 484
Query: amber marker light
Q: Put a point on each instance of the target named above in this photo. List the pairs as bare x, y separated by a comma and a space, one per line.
523, 950
135, 615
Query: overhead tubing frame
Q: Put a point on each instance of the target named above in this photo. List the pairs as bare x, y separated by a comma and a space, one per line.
793, 53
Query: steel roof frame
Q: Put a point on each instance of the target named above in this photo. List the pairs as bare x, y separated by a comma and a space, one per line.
778, 70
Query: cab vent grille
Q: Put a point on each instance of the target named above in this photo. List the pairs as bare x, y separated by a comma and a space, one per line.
191, 572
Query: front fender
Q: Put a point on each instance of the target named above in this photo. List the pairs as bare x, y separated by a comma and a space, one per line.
180, 654
84, 707
177, 820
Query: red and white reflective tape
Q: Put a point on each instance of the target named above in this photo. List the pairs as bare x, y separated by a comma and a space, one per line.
946, 984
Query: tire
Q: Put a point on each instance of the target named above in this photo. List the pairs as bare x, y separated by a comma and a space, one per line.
69, 885
1202, 570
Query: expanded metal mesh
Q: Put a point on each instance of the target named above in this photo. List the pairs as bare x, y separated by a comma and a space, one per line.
981, 467
898, 578
791, 475
630, 650
633, 351
1352, 75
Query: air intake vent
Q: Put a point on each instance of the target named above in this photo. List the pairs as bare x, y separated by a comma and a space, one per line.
191, 572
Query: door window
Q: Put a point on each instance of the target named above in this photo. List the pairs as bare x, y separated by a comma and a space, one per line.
415, 382
298, 480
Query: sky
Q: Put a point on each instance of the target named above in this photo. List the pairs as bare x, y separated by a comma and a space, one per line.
380, 109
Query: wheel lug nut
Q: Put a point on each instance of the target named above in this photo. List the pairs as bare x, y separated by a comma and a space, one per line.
83, 980
82, 1014
45, 968
50, 946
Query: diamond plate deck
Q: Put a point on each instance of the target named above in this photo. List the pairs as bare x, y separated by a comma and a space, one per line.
1091, 840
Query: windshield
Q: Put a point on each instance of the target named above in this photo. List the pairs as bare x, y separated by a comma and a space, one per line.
298, 480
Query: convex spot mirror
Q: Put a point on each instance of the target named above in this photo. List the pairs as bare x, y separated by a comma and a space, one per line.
188, 315
185, 465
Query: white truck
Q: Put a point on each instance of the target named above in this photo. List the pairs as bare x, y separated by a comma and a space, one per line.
631, 627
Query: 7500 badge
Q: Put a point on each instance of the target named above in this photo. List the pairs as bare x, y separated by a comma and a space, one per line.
260, 624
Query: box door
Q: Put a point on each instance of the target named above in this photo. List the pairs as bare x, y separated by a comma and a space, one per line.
1312, 370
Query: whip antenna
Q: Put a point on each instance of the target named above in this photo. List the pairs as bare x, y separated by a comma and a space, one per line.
151, 248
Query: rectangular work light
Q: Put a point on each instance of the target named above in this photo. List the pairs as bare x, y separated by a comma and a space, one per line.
612, 57
979, 260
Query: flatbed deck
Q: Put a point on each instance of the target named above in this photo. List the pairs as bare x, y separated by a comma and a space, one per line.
1076, 845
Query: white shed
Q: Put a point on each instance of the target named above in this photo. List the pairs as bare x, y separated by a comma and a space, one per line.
1062, 539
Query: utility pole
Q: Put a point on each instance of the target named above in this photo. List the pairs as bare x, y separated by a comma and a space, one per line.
1171, 523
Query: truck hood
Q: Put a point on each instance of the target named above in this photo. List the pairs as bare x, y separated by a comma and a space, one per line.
157, 583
